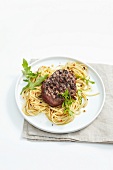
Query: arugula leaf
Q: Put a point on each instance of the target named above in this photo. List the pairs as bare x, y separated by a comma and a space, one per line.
39, 81
67, 102
27, 70
31, 85
29, 77
24, 88
87, 80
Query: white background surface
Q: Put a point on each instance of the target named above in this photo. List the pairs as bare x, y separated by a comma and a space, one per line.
38, 28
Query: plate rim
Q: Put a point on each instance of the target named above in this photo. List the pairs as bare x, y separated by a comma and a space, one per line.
64, 57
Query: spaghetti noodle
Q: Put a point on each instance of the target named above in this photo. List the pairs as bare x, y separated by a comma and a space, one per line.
34, 104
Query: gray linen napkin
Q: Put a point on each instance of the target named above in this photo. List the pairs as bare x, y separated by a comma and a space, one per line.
100, 130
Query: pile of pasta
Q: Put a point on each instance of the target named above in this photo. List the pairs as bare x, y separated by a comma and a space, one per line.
34, 105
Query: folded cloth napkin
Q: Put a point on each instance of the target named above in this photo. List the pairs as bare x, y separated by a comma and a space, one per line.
100, 130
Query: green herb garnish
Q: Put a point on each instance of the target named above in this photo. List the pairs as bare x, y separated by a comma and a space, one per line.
30, 76
67, 102
27, 70
86, 80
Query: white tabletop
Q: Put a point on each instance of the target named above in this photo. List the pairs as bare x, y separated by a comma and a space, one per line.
38, 28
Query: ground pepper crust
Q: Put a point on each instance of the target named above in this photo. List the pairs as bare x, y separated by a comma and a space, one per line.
57, 83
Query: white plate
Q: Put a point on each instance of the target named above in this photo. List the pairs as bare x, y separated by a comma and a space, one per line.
93, 108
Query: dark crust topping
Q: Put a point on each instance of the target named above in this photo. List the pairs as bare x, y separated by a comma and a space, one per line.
56, 84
